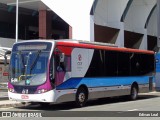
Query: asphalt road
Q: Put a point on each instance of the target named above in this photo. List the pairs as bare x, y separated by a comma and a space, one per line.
102, 108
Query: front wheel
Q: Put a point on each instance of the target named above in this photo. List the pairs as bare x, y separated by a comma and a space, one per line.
81, 97
134, 93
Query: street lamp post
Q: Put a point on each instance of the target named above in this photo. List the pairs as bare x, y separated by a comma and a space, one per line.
16, 21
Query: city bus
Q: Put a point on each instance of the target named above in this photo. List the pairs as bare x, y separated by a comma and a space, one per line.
46, 71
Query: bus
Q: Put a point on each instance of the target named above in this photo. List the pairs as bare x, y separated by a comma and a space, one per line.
46, 71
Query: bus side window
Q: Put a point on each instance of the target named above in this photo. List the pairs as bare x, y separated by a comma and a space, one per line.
123, 64
111, 63
96, 69
67, 63
63, 66
147, 64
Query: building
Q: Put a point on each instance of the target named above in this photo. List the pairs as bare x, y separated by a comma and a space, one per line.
126, 23
36, 21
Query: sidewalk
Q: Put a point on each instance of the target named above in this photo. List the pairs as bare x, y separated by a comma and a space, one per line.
9, 103
3, 95
3, 86
5, 102
3, 91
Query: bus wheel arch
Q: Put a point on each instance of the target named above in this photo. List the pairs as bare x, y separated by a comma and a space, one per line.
134, 91
81, 96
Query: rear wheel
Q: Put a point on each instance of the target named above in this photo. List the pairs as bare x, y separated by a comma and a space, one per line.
134, 93
81, 97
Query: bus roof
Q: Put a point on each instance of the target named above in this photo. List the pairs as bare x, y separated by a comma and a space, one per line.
109, 47
91, 45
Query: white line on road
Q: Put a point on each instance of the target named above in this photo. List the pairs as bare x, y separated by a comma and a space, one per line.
128, 110
6, 108
133, 110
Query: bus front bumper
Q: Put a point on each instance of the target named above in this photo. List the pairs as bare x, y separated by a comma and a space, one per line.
44, 97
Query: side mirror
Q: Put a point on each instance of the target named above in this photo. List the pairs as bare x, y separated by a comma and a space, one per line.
61, 57
60, 66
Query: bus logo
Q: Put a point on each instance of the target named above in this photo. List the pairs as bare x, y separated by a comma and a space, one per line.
80, 57
79, 63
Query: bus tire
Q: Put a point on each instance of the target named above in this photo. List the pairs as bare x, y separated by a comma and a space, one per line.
134, 92
81, 97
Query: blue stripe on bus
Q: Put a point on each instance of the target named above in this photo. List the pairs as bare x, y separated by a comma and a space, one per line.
158, 62
74, 83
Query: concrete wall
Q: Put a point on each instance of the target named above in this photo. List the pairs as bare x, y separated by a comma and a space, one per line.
152, 24
137, 15
132, 30
109, 12
152, 31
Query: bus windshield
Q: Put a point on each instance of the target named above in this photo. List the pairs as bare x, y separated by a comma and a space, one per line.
28, 64
28, 67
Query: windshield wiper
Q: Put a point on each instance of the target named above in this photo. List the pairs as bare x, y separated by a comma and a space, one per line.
27, 61
35, 61
22, 61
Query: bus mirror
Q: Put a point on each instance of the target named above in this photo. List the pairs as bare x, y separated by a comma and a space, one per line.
61, 57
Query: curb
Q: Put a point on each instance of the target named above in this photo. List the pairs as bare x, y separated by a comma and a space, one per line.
8, 103
3, 90
4, 98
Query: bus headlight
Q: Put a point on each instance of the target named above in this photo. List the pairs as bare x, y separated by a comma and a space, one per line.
11, 90
42, 91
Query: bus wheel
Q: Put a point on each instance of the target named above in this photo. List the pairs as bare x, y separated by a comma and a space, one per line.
81, 97
134, 93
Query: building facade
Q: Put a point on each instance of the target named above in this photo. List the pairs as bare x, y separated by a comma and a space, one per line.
126, 23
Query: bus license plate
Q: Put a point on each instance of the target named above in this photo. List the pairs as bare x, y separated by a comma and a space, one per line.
24, 96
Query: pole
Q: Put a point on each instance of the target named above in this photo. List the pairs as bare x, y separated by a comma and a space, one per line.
16, 21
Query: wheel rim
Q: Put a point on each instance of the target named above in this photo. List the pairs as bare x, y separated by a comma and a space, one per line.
81, 97
134, 93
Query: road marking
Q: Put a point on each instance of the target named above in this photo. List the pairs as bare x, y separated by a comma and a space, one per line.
133, 110
6, 108
122, 111
128, 110
154, 92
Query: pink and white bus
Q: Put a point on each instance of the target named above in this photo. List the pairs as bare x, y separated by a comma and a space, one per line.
61, 71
